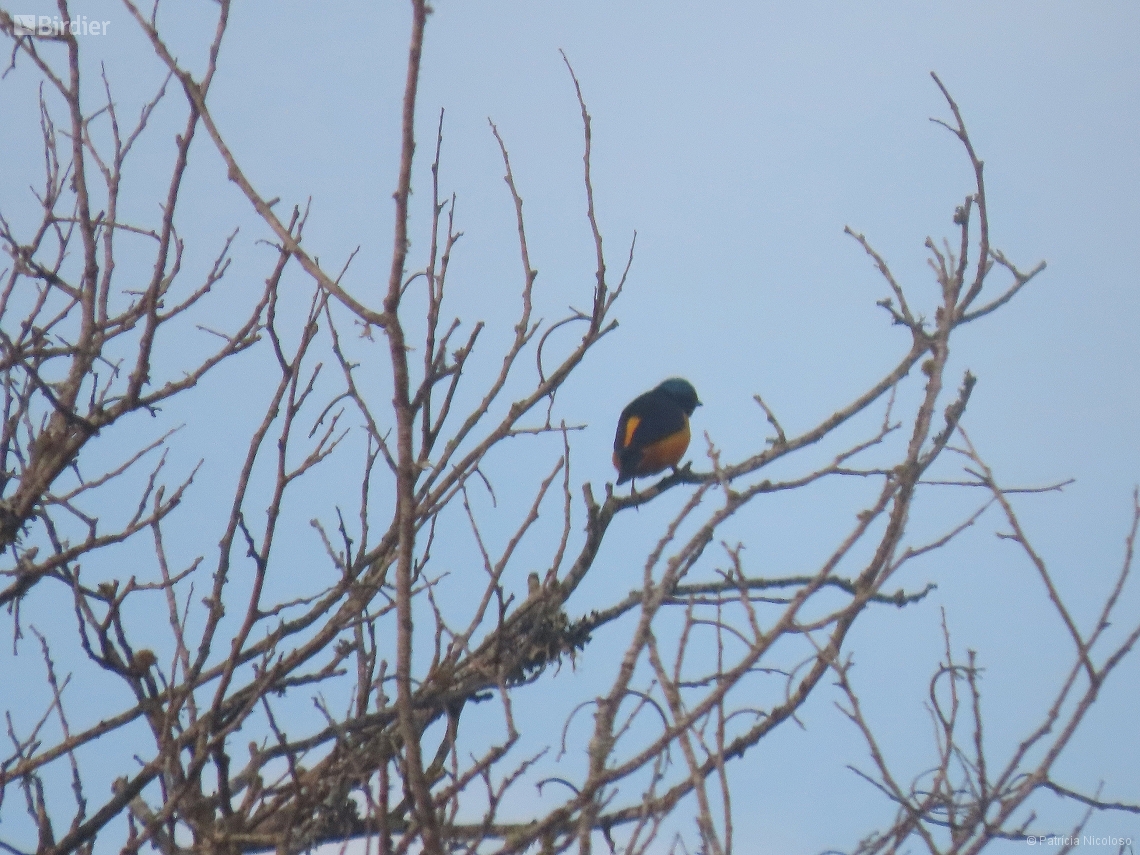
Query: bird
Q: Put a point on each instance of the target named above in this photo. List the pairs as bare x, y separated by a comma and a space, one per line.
653, 431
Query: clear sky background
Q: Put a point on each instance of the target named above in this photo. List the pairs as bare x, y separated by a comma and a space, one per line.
738, 139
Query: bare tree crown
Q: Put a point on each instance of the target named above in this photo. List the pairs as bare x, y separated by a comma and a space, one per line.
260, 697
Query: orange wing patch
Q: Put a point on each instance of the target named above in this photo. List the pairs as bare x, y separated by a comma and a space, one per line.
630, 429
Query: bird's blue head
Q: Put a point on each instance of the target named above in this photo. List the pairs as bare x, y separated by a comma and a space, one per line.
681, 391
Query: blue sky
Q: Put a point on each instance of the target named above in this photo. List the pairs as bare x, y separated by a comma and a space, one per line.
737, 140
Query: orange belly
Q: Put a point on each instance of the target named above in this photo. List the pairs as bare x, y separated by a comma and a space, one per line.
664, 453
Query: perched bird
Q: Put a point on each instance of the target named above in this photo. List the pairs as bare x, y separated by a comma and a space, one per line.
653, 431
